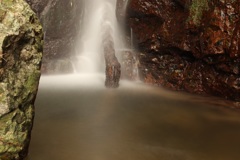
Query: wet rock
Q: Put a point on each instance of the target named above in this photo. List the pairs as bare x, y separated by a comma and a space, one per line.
188, 45
129, 65
61, 23
113, 67
21, 53
38, 6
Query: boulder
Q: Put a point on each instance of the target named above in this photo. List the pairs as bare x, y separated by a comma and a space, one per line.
20, 59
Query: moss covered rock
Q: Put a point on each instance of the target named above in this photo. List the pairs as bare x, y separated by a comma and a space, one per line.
20, 59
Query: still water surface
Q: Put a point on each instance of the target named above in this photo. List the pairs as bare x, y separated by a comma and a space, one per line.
78, 119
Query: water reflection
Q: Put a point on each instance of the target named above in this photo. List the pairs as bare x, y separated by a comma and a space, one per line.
78, 119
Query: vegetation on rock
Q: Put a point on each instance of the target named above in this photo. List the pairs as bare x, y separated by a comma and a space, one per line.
21, 41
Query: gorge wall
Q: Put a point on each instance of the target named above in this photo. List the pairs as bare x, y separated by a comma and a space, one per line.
190, 45
60, 20
20, 58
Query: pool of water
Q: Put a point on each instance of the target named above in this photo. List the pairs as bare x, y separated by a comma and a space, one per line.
77, 118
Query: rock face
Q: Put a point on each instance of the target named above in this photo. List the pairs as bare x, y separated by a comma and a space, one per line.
129, 65
61, 20
20, 58
113, 67
38, 6
188, 45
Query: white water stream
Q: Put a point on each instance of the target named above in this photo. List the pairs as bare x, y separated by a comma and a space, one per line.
77, 118
99, 19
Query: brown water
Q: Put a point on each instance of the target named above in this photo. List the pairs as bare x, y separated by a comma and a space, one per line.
78, 119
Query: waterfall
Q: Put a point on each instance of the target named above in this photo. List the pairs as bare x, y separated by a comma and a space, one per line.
99, 18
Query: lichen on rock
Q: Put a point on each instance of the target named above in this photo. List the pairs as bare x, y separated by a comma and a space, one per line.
4, 101
21, 41
196, 10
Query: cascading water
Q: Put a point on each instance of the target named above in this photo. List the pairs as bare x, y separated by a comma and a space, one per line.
99, 20
83, 120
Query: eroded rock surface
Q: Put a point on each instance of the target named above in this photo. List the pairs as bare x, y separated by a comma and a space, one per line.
20, 57
188, 45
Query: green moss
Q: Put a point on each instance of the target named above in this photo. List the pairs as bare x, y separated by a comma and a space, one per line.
14, 132
2, 90
3, 99
32, 81
196, 10
7, 2
20, 76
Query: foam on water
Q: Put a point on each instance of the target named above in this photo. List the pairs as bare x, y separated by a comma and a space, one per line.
88, 80
84, 80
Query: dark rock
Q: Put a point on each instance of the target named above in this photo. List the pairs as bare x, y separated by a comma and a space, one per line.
61, 23
188, 45
113, 67
38, 5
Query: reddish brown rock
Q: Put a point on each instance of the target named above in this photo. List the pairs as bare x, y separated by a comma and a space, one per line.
188, 45
113, 67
